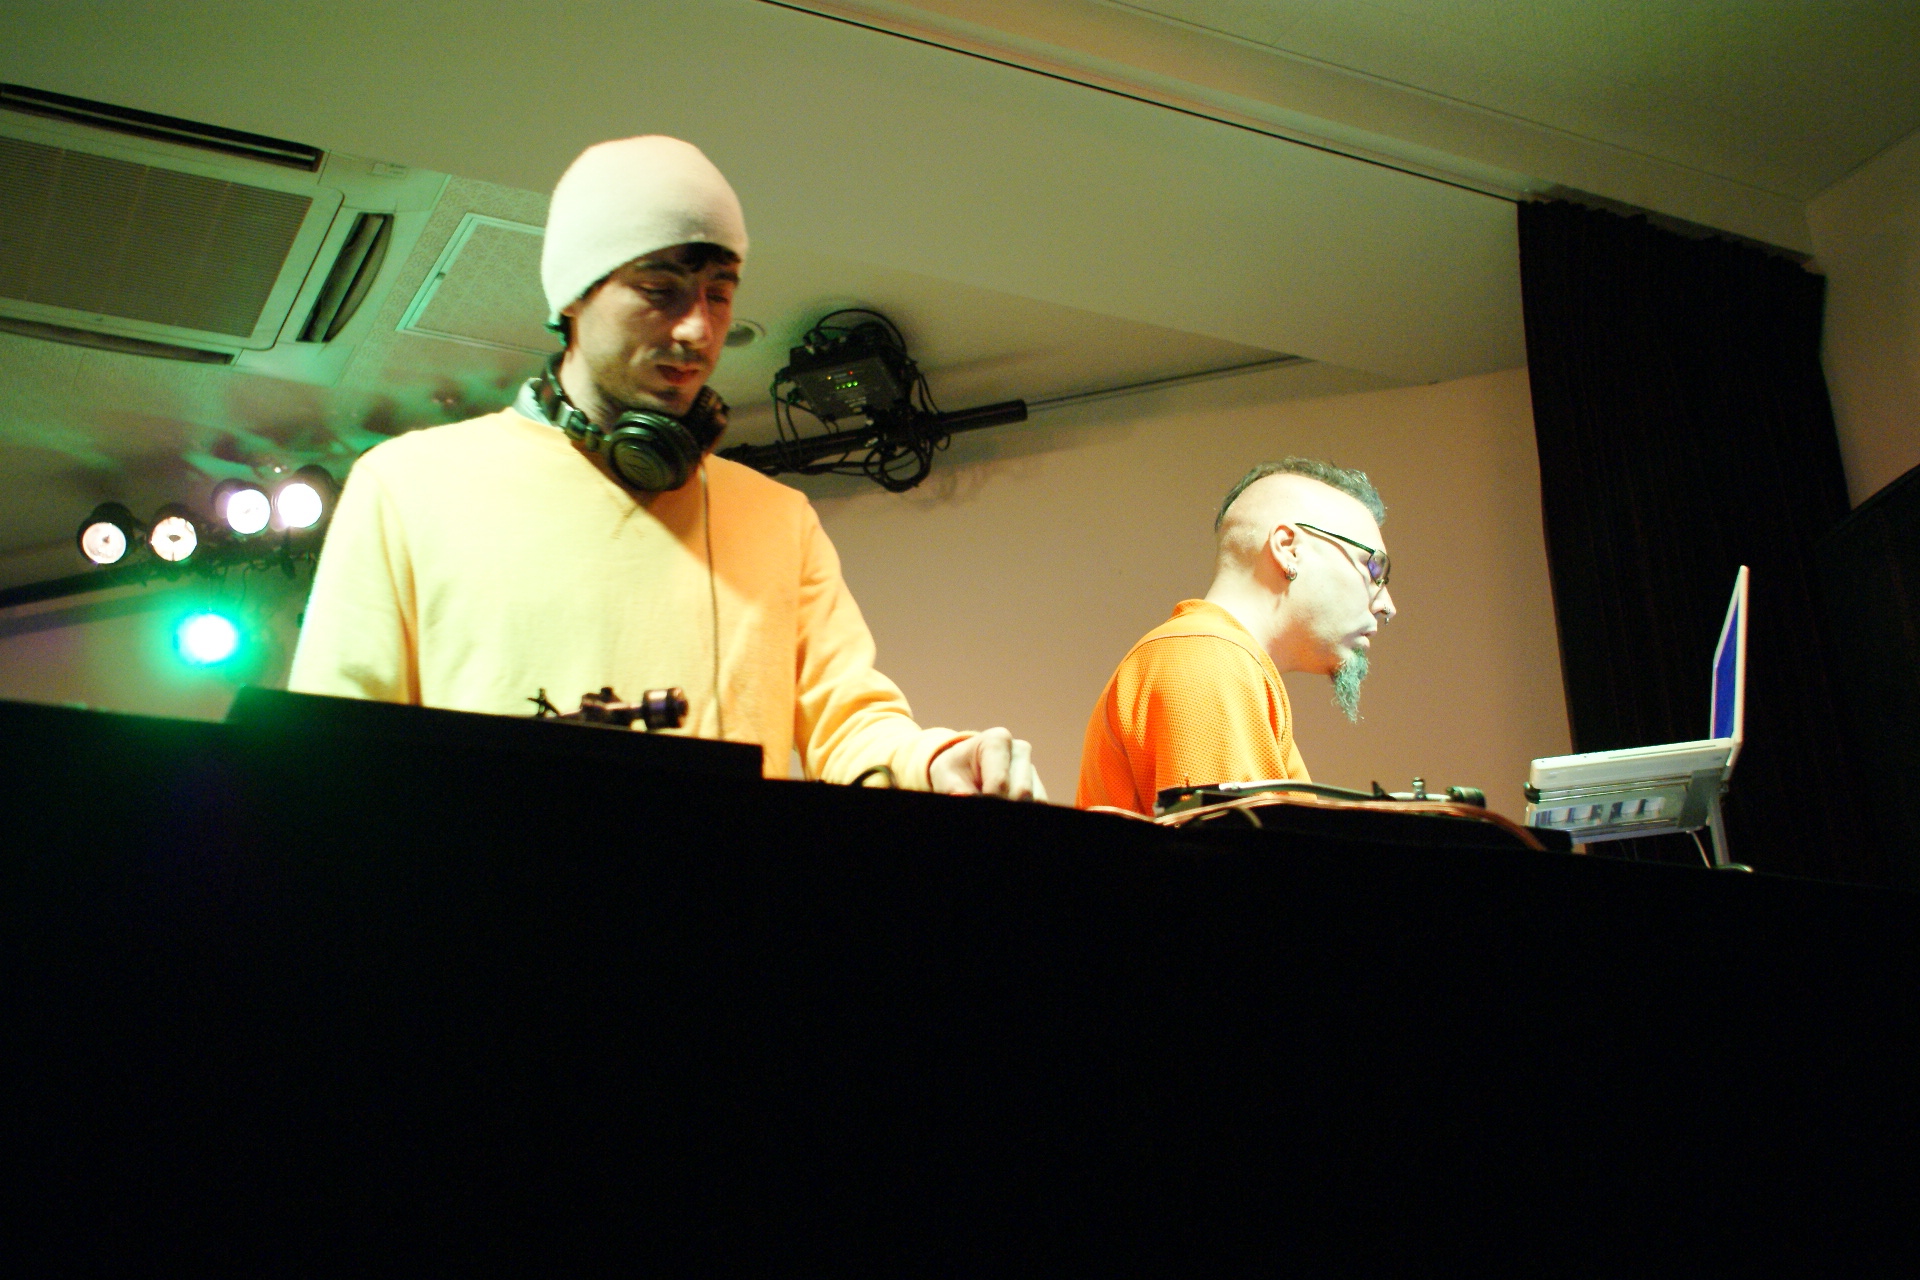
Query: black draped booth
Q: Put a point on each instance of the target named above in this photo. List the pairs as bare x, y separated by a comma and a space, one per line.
404, 995
1684, 430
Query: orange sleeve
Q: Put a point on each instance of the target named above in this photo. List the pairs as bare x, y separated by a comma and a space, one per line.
1180, 710
1296, 767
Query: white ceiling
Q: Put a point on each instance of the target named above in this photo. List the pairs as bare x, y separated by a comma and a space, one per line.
1727, 113
1786, 97
1034, 234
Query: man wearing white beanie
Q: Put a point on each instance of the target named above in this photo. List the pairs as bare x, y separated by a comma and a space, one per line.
586, 537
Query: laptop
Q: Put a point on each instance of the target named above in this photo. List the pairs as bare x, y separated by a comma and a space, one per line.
1643, 791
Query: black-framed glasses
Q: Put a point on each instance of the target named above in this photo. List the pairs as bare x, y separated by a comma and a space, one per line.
1379, 564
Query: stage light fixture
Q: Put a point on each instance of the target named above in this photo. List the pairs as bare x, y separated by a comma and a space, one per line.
305, 499
183, 540
206, 638
242, 505
175, 535
108, 534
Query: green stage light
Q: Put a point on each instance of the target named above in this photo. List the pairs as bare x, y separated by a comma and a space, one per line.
207, 638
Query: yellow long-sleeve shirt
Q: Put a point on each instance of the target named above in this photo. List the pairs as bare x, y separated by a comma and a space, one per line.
472, 565
1196, 700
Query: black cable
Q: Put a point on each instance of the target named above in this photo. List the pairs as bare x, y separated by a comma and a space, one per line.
713, 599
895, 450
821, 327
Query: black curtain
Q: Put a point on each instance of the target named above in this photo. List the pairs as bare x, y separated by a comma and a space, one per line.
1684, 430
1870, 587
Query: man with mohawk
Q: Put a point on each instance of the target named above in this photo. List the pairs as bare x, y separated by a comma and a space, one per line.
1299, 584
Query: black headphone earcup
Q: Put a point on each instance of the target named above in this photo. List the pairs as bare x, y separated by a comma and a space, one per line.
655, 453
652, 452
648, 451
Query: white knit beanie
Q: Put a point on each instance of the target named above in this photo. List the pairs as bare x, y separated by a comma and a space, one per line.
622, 200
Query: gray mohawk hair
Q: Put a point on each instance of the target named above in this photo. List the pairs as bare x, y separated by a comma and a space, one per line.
1352, 483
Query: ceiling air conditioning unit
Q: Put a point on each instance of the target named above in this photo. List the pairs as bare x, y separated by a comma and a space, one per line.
142, 233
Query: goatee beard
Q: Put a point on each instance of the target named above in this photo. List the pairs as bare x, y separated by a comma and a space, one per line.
1346, 684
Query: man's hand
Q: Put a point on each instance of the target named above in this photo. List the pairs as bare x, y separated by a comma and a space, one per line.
994, 763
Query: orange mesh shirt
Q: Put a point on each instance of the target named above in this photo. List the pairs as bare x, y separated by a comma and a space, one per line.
1195, 701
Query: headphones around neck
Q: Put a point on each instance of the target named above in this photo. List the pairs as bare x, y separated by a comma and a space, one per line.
648, 450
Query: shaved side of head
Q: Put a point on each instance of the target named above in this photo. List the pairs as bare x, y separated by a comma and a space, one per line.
1353, 483
1283, 497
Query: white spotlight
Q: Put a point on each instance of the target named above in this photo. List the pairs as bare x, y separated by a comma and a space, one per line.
305, 499
107, 534
243, 505
175, 535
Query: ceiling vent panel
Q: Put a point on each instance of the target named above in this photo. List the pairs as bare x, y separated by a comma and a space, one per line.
485, 289
355, 268
196, 237
145, 124
97, 234
112, 342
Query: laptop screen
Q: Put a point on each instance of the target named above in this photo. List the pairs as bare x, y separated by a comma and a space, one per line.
1730, 666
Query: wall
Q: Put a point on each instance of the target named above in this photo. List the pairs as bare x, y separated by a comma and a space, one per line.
1866, 237
114, 651
1007, 587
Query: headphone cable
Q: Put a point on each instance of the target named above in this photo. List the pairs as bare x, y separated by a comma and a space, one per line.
713, 595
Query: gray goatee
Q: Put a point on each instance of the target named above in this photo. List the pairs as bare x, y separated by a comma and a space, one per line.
1346, 684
